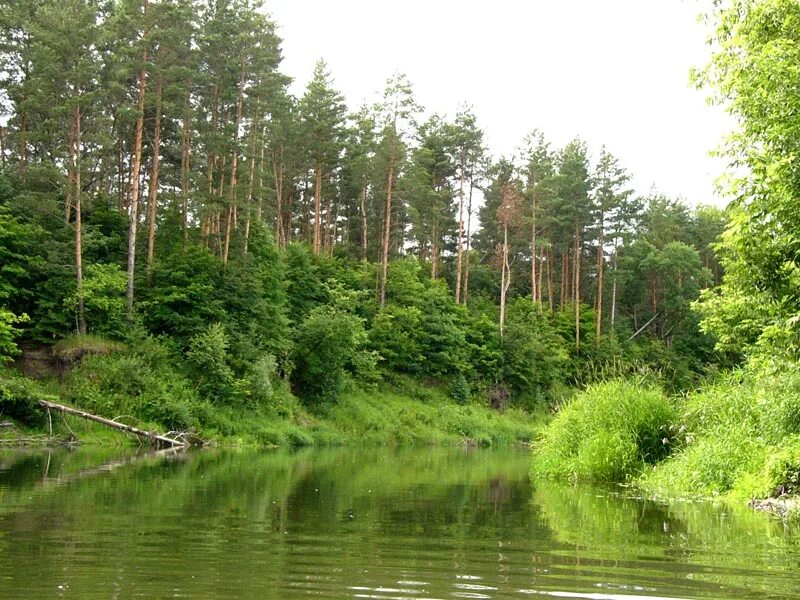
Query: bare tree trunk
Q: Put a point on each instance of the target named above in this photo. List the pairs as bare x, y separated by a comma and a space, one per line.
614, 290
328, 214
250, 182
564, 277
277, 173
135, 169
260, 206
533, 239
465, 296
152, 201
550, 299
364, 223
78, 224
387, 229
601, 263
460, 234
70, 176
234, 165
185, 166
317, 209
577, 288
505, 279
435, 250
23, 142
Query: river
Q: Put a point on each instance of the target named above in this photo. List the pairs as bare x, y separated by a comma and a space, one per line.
366, 523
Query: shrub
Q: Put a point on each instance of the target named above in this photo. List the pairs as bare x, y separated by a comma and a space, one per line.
608, 432
327, 344
19, 399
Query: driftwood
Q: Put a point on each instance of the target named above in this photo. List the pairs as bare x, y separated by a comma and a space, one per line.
155, 438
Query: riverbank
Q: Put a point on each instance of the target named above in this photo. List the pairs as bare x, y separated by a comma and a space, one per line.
400, 412
736, 439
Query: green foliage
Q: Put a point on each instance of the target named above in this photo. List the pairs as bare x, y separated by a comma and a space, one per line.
138, 384
207, 361
534, 355
8, 333
103, 298
609, 432
783, 469
19, 399
327, 343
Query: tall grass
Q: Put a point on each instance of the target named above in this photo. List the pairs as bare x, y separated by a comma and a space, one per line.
609, 432
741, 439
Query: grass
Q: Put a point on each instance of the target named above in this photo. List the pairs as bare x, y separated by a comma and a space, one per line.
609, 432
74, 347
742, 439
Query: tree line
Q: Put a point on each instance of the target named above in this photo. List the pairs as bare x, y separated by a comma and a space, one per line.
159, 176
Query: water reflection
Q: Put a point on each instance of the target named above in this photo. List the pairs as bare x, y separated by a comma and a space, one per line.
435, 523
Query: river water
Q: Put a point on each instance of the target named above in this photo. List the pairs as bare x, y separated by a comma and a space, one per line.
367, 523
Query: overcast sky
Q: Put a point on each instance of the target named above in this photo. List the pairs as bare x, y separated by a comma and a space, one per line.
614, 72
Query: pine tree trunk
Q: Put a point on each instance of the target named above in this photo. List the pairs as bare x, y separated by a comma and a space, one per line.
577, 288
317, 208
601, 263
562, 300
152, 201
277, 174
328, 215
505, 279
533, 239
614, 290
387, 231
460, 234
363, 209
78, 225
2, 146
234, 172
135, 169
250, 184
23, 142
465, 297
185, 166
550, 299
435, 253
260, 205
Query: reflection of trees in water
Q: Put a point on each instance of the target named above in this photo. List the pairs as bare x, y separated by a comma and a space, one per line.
681, 536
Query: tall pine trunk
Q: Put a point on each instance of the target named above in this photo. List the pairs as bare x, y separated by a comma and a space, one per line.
78, 224
185, 166
577, 287
505, 278
234, 165
460, 234
465, 297
601, 263
534, 288
387, 230
317, 209
152, 201
135, 183
363, 210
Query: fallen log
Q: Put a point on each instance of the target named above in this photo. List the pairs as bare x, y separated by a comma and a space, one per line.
155, 438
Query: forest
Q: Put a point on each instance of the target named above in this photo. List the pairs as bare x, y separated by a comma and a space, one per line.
183, 238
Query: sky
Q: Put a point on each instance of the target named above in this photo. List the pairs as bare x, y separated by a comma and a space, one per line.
613, 72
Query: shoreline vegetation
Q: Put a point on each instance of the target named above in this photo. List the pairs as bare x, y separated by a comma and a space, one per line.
185, 246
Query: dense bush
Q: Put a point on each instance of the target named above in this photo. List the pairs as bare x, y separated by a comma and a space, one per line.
741, 437
327, 343
19, 399
609, 432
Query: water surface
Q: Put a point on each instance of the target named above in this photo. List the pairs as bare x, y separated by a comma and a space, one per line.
370, 523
